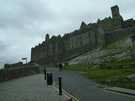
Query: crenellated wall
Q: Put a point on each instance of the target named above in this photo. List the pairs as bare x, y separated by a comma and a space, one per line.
58, 49
113, 36
89, 36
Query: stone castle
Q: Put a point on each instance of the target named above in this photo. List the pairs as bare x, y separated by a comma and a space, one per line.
88, 37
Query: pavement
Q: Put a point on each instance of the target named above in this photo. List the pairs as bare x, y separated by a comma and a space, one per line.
30, 88
85, 89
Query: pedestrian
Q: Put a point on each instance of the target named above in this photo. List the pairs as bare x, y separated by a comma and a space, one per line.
60, 66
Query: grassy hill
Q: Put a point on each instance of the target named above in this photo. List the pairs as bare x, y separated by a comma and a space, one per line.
113, 65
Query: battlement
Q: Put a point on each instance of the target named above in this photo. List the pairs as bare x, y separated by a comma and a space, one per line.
88, 37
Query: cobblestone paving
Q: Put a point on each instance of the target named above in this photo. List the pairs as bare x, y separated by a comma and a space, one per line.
31, 88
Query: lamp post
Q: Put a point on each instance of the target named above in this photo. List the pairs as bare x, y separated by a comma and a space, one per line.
25, 59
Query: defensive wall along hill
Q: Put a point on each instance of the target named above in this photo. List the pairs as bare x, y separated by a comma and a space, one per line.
88, 37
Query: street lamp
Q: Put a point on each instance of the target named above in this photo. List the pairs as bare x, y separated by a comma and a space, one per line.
25, 59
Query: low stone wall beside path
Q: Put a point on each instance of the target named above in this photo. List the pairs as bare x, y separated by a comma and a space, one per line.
18, 71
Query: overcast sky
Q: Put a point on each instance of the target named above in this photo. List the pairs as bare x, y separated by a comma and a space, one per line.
24, 23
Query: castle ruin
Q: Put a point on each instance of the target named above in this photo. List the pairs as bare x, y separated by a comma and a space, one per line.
88, 37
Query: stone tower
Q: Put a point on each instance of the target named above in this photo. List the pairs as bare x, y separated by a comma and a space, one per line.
115, 11
83, 25
47, 37
117, 18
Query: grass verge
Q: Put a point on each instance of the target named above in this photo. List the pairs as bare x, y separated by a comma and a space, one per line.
107, 76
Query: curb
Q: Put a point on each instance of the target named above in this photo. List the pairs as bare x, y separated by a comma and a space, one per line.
68, 95
71, 96
121, 90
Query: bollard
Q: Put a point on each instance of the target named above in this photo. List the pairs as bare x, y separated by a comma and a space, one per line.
45, 73
60, 85
49, 79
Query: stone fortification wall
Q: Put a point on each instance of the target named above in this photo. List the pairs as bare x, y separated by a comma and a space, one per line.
58, 49
50, 50
88, 37
119, 34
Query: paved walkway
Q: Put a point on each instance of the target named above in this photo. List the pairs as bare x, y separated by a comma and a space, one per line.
86, 90
31, 88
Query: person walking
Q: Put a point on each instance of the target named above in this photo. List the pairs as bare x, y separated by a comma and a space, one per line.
60, 66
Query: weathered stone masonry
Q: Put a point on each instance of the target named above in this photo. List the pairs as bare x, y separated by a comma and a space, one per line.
90, 36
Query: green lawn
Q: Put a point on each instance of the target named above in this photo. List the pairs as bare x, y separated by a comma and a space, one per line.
107, 76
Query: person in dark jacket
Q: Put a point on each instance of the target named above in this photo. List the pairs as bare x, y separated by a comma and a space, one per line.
60, 66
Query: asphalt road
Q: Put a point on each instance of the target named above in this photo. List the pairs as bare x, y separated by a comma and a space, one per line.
84, 89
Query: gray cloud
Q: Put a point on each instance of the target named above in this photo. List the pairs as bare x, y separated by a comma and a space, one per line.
24, 23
